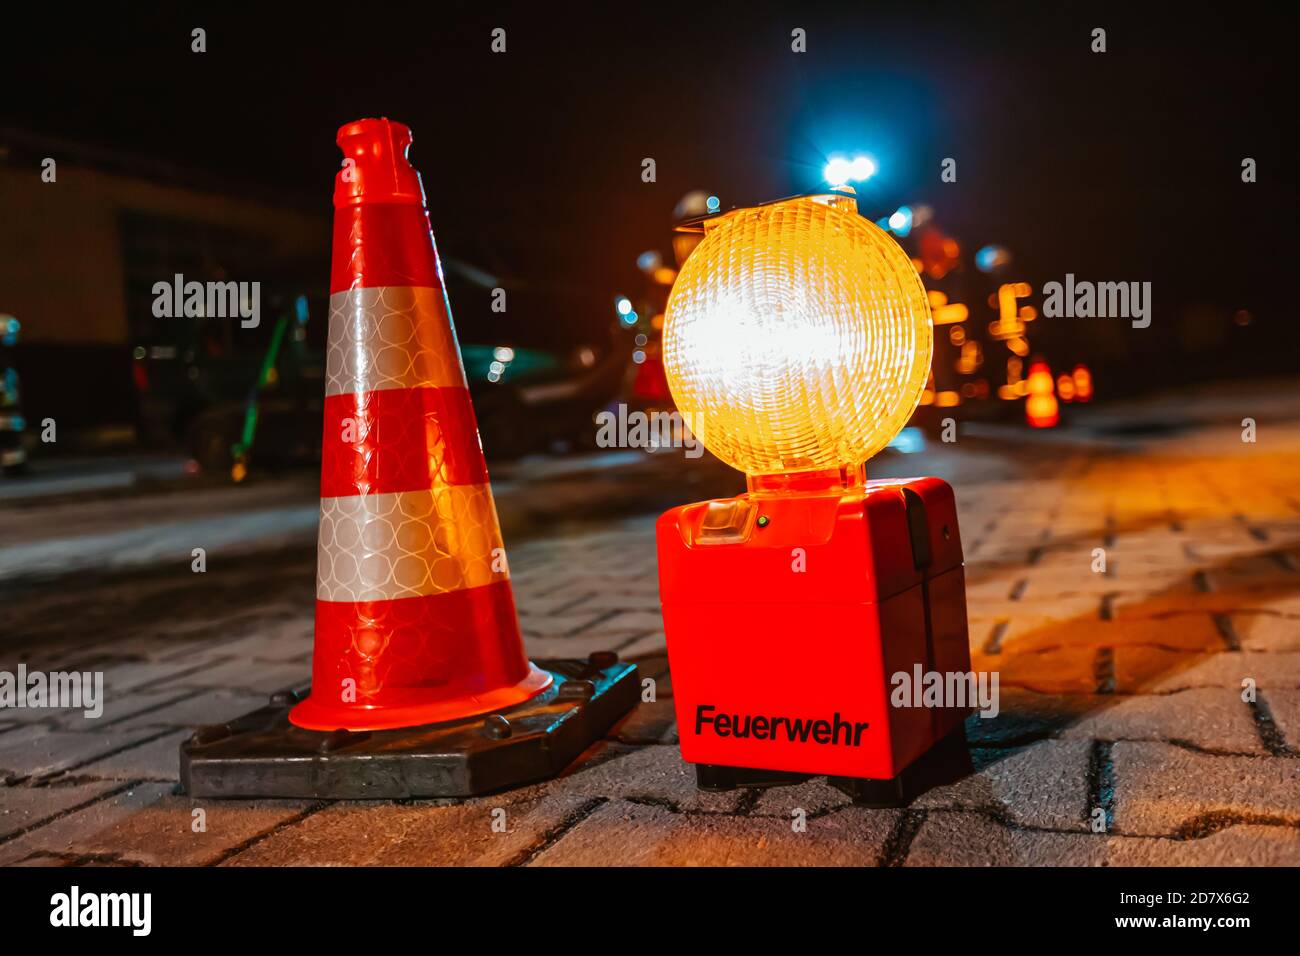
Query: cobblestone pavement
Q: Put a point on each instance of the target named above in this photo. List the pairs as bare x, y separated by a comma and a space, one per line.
1124, 692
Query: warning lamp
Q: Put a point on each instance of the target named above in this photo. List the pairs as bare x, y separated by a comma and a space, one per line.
797, 343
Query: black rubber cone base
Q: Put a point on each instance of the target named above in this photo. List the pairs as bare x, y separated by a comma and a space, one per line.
262, 755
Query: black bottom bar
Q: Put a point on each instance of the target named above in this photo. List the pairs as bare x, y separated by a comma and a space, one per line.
715, 777
944, 763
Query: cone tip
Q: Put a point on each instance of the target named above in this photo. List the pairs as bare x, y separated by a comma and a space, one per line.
375, 168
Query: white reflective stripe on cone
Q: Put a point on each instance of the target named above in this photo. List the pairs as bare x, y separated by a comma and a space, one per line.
408, 544
390, 337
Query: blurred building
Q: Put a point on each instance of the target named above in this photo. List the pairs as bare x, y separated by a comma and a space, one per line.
79, 257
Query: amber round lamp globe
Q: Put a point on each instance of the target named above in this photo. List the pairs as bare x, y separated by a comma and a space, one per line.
797, 337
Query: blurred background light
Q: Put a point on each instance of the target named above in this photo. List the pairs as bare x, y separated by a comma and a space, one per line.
990, 258
649, 261
909, 441
900, 223
838, 171
862, 168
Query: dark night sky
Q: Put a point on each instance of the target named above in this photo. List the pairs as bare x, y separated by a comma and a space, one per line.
1117, 166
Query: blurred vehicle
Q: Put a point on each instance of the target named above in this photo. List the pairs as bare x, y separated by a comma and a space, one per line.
233, 395
529, 398
214, 386
283, 400
13, 454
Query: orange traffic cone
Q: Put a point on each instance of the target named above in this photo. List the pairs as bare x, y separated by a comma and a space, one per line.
415, 621
420, 684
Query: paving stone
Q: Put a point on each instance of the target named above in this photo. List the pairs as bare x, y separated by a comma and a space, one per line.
648, 723
246, 677
32, 716
1255, 572
1061, 665
1160, 670
1239, 845
815, 797
573, 625
1284, 705
1044, 784
1228, 670
1186, 600
1161, 788
1054, 670
117, 708
1010, 631
157, 759
528, 832
198, 709
1137, 582
146, 674
39, 752
970, 839
655, 666
59, 836
1267, 632
286, 642
1283, 605
22, 807
1209, 718
632, 598
197, 654
163, 833
1024, 716
1145, 668
965, 839
581, 577
633, 620
630, 834
411, 834
646, 645
652, 774
987, 594
543, 606
1051, 610
559, 648
1192, 632
1076, 590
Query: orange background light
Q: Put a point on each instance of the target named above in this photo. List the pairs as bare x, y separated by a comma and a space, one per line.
798, 336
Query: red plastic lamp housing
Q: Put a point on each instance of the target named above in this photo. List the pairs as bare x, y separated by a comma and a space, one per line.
797, 342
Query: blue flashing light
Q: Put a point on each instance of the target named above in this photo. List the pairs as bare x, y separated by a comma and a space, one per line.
909, 441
